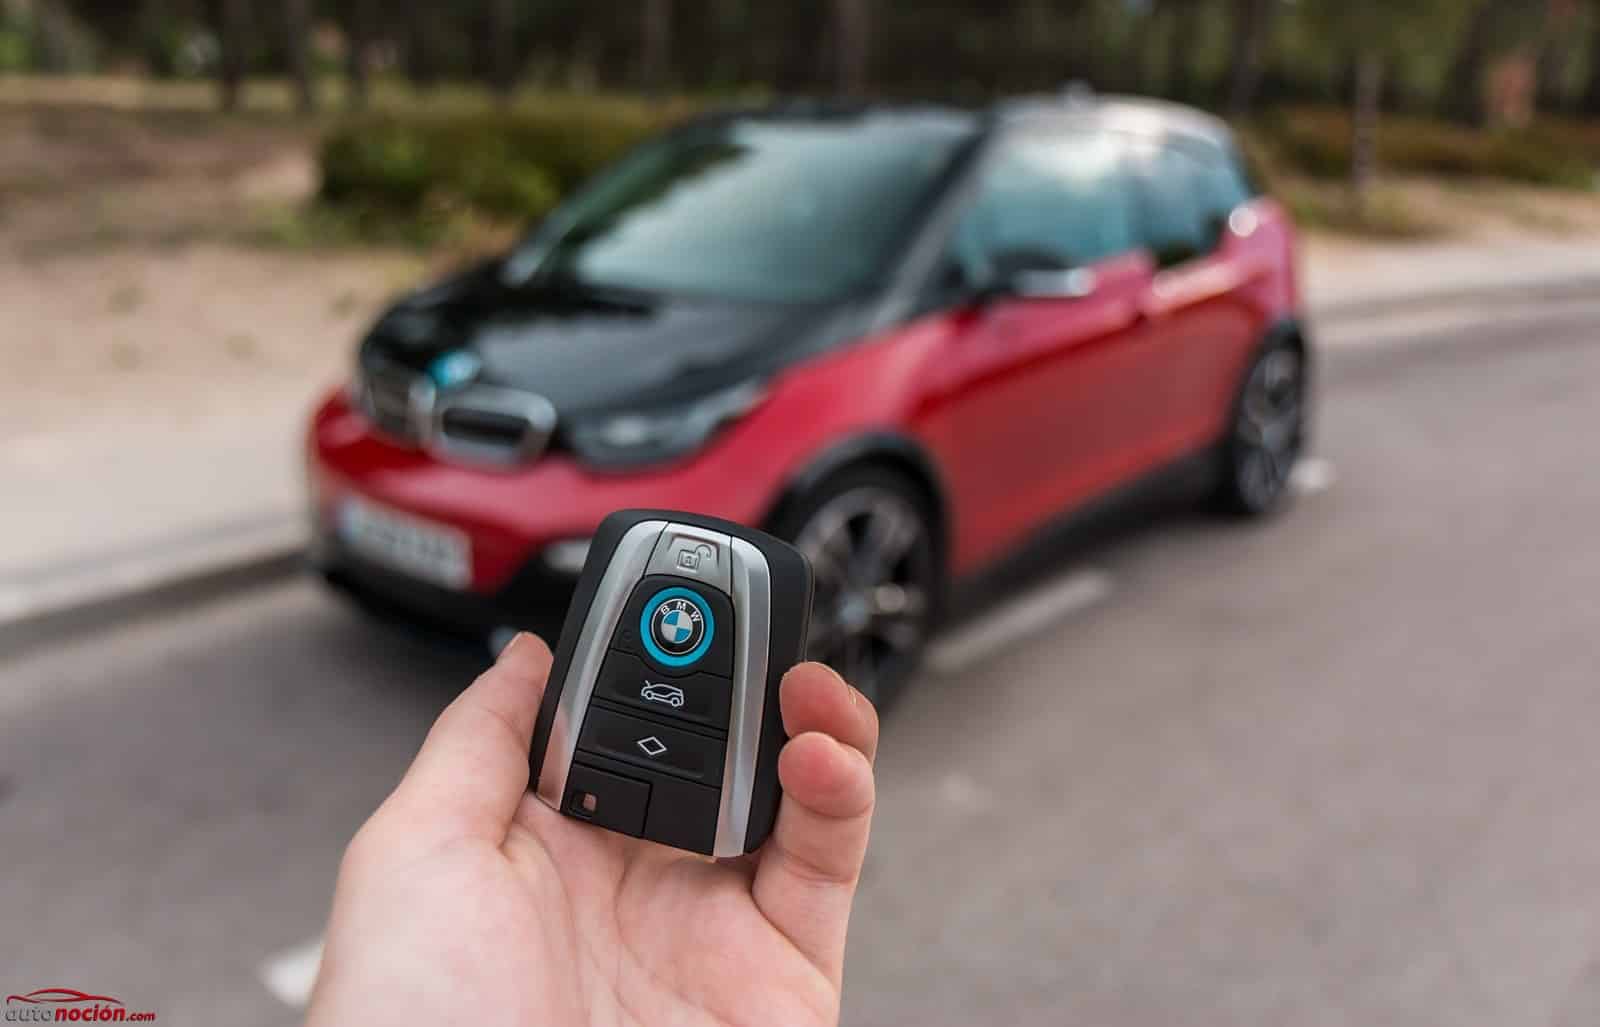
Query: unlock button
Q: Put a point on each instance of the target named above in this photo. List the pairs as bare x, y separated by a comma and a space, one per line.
690, 552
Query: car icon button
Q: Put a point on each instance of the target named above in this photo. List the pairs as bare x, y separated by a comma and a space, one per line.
698, 698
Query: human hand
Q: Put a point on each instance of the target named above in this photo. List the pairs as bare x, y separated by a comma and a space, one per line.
465, 899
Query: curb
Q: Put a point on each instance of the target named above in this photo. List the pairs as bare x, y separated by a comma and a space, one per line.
47, 604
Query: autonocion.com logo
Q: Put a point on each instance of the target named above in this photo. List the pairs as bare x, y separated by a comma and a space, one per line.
68, 1005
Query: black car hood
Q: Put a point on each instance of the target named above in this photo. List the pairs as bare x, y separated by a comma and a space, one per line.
592, 352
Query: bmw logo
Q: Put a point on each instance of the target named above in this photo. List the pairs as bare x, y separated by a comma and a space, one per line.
454, 369
677, 627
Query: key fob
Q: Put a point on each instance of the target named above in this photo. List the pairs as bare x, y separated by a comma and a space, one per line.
661, 717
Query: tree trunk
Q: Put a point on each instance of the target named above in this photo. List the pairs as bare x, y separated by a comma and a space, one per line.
357, 37
233, 37
655, 53
421, 69
1252, 25
1147, 75
1591, 94
1463, 84
1085, 58
297, 45
851, 35
51, 48
1555, 54
1364, 129
1180, 49
502, 24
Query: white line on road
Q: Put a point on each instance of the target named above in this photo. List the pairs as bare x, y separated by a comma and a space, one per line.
291, 974
1020, 618
1313, 475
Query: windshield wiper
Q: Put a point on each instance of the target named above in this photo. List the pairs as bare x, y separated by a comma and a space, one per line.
565, 284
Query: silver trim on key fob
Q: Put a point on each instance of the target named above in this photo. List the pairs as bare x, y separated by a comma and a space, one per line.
626, 568
742, 571
752, 606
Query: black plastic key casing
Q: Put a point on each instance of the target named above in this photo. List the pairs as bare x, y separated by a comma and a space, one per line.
644, 735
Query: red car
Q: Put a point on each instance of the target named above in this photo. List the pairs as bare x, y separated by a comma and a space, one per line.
906, 338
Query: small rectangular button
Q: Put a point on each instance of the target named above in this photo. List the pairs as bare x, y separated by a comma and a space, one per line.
645, 743
701, 698
609, 800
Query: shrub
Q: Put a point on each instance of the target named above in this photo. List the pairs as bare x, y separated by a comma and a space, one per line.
514, 163
1317, 143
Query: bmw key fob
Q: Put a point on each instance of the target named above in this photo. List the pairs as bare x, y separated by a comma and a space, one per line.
661, 717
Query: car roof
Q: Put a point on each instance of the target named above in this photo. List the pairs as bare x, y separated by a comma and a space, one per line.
1075, 105
808, 111
1138, 115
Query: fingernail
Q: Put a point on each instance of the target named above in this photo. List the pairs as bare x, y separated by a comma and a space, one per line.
518, 641
849, 691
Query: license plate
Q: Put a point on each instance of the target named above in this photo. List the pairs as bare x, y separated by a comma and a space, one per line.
435, 553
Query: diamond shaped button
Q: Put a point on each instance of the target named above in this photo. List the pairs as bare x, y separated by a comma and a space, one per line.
612, 734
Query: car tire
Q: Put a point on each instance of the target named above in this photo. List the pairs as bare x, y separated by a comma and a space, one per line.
1266, 433
870, 534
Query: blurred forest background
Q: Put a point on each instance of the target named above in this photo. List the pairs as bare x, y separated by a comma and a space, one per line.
1468, 59
430, 112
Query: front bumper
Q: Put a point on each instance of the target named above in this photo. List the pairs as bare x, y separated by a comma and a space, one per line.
511, 517
534, 599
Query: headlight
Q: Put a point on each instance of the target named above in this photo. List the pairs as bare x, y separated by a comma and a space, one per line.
622, 440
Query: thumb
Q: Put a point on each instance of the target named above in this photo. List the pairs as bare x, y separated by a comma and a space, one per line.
472, 770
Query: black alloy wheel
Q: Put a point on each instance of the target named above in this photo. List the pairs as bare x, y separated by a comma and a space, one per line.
869, 537
1268, 433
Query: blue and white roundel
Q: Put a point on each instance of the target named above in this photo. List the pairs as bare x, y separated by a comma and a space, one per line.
676, 627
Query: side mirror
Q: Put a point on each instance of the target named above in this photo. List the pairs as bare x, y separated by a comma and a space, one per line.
1076, 284
1031, 284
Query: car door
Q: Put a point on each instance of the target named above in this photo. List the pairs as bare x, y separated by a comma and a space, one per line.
1199, 317
1042, 385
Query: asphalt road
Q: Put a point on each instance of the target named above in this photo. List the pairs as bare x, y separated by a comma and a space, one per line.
1338, 768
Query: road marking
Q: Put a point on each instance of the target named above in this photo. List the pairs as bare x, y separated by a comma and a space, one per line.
1021, 618
291, 974
1313, 475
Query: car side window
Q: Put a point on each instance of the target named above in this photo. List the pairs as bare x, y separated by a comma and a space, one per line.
1177, 219
1046, 203
1228, 186
1225, 186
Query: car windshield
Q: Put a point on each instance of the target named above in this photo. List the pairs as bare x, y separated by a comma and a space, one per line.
768, 210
